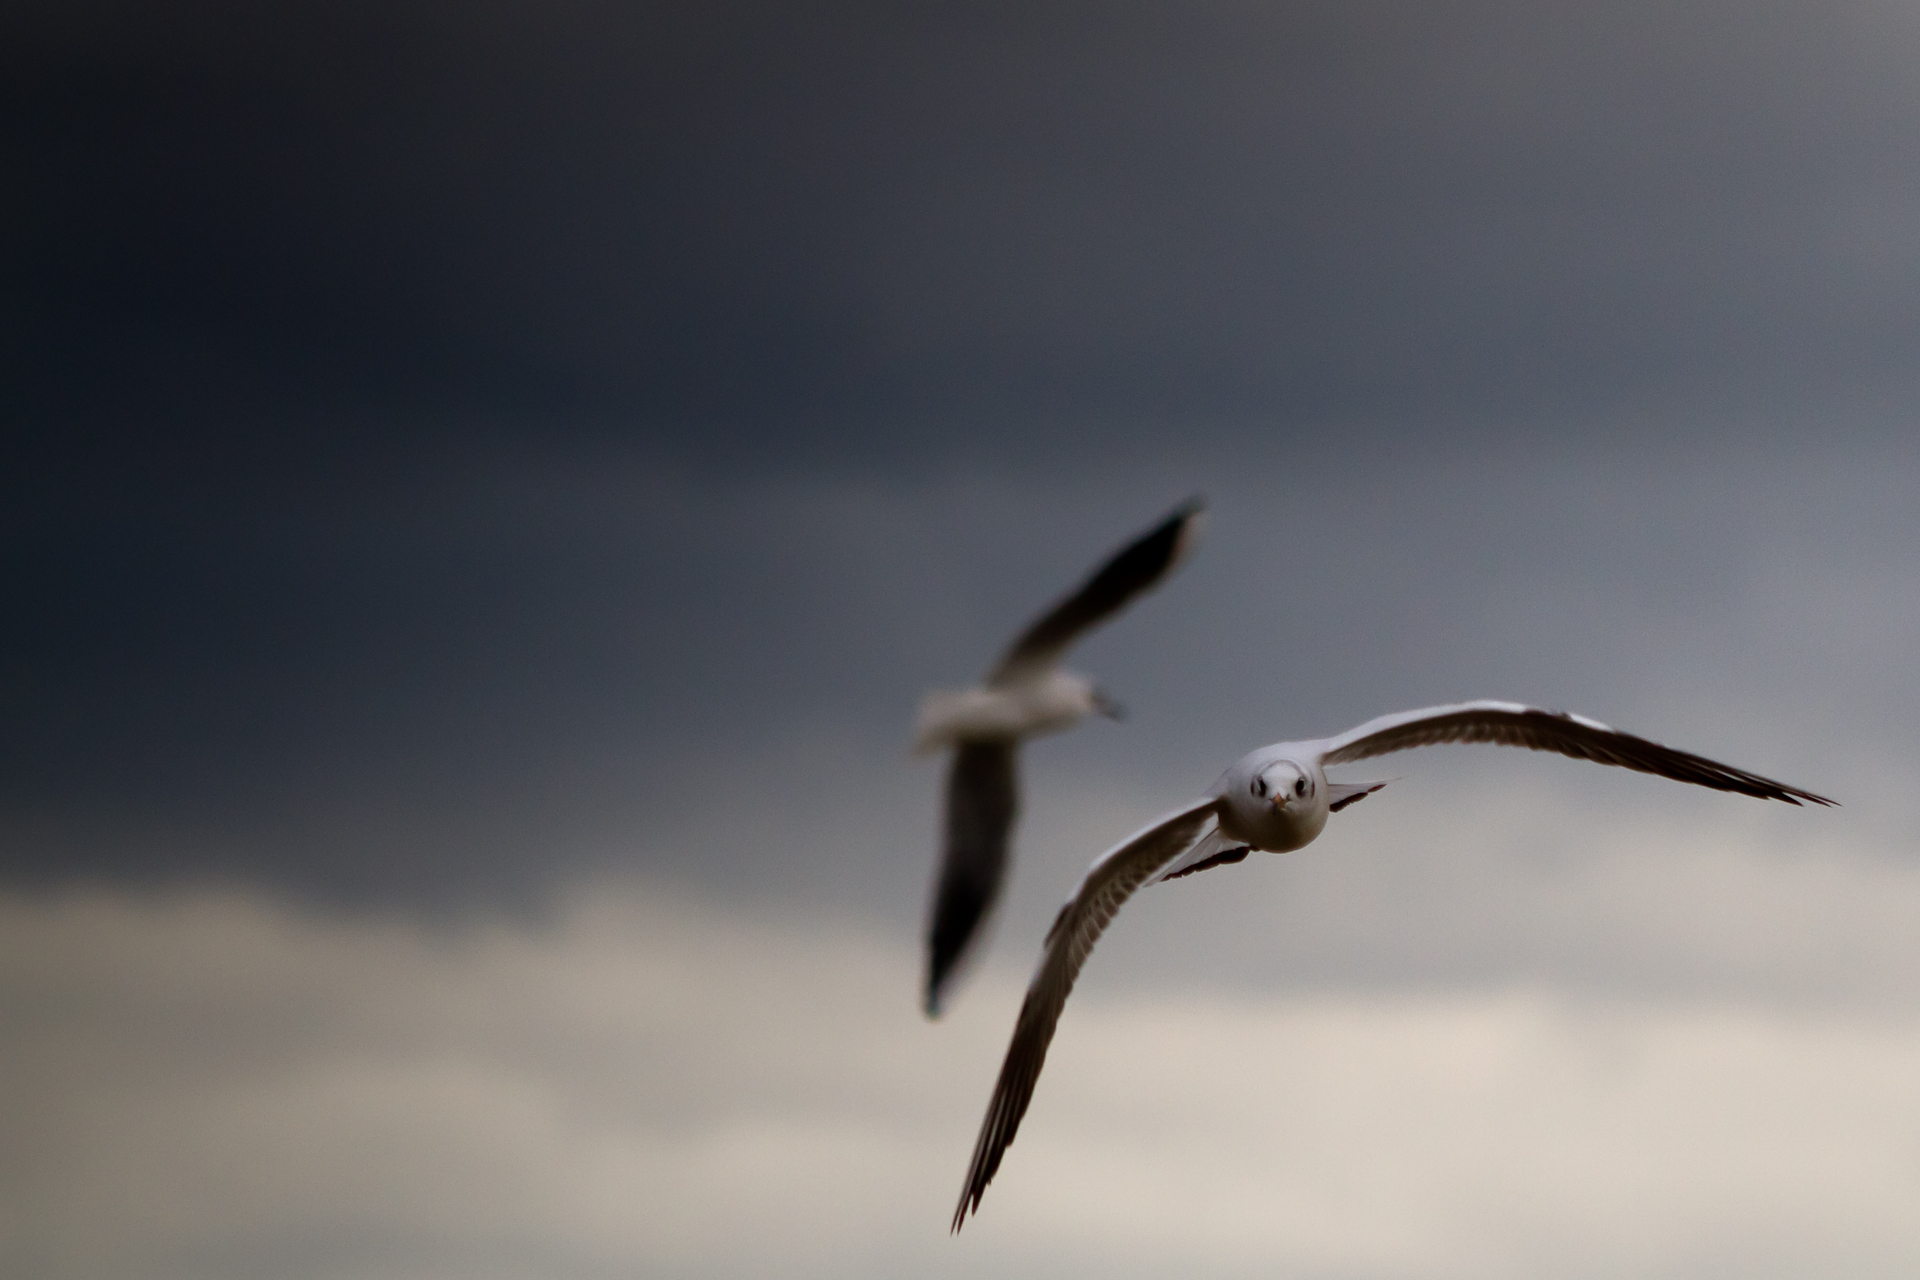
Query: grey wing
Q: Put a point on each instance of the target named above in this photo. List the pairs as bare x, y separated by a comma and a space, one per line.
1512, 724
1108, 883
1129, 572
983, 796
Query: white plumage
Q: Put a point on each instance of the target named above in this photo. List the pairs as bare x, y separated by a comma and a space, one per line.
1274, 800
1027, 694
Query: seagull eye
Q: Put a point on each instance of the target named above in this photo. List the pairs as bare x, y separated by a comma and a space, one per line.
1259, 787
1300, 787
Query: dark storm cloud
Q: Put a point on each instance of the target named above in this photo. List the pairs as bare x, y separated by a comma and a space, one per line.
709, 219
536, 668
432, 422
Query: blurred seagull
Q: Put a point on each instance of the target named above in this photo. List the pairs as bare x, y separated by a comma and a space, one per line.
1275, 800
1028, 694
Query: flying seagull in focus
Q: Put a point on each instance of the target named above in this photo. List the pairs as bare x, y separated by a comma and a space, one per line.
1276, 800
1028, 693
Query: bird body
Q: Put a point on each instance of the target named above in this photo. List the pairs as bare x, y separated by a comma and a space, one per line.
1045, 701
1277, 799
1027, 694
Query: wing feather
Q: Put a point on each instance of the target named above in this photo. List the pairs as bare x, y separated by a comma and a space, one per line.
1133, 570
983, 796
1511, 724
1109, 882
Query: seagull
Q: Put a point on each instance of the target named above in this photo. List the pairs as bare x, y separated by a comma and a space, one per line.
1275, 800
1027, 694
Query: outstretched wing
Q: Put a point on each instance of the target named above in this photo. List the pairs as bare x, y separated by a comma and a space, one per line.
1509, 724
1131, 571
983, 794
1109, 882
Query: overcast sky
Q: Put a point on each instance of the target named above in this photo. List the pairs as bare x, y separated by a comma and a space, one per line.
486, 486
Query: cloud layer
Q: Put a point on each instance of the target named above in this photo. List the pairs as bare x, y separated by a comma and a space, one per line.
218, 1085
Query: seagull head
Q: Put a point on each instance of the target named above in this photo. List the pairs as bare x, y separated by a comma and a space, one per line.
1106, 704
1273, 801
1282, 785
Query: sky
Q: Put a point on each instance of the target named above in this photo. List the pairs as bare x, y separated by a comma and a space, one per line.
487, 486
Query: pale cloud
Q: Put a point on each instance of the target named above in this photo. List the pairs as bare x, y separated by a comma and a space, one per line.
212, 1084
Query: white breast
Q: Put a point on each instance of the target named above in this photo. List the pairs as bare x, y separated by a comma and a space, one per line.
1049, 704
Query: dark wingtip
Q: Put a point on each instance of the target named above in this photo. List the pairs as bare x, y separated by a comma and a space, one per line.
1187, 517
946, 967
940, 968
969, 1203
